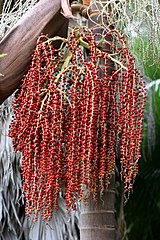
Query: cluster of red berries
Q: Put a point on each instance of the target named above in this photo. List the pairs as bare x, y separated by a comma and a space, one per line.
72, 118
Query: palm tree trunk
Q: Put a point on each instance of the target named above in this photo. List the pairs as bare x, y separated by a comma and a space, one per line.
97, 221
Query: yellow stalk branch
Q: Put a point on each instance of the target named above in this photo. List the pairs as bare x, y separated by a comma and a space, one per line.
3, 55
85, 45
65, 65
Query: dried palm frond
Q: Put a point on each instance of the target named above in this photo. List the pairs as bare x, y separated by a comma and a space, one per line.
62, 226
136, 19
11, 11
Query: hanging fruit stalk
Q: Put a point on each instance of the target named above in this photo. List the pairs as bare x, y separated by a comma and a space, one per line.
70, 124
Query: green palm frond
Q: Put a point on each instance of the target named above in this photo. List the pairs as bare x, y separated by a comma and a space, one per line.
143, 208
147, 54
156, 85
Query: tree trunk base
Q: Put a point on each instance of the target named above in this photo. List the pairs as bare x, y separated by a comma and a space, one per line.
97, 221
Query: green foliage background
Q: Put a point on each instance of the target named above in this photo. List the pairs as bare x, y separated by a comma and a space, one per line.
142, 212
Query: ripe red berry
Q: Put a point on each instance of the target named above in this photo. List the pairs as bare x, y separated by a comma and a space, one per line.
70, 123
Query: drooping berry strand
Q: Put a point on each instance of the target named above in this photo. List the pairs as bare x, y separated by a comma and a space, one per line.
74, 116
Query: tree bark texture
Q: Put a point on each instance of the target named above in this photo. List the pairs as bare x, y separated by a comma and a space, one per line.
97, 220
20, 41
